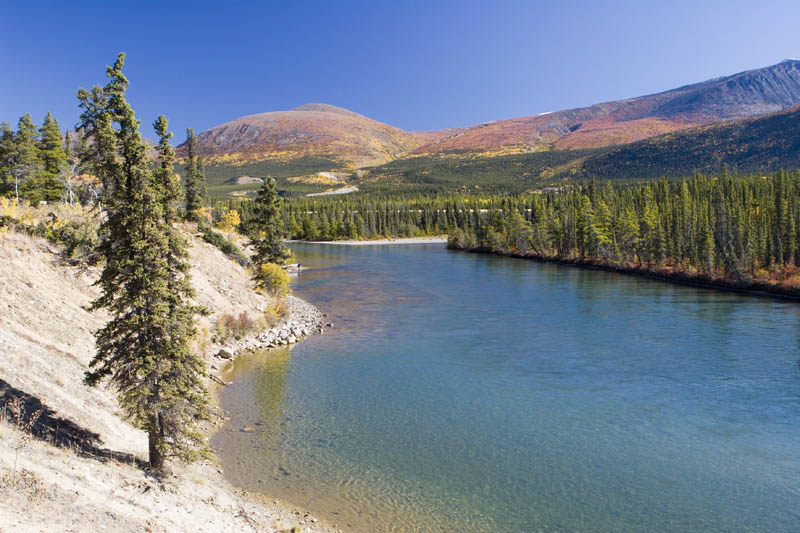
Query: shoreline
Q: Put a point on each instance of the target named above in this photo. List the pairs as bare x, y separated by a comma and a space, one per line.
381, 242
302, 321
758, 290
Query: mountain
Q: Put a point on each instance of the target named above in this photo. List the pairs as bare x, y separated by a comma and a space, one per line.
636, 138
316, 131
746, 94
760, 144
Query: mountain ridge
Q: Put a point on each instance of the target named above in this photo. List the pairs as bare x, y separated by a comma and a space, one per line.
351, 141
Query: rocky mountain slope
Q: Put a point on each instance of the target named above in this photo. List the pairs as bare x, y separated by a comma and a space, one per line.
746, 94
761, 144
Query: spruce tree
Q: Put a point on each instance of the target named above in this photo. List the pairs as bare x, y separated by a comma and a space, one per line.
25, 162
265, 232
196, 191
7, 152
46, 186
185, 394
144, 348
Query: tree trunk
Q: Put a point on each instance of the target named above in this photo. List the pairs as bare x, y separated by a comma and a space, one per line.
155, 438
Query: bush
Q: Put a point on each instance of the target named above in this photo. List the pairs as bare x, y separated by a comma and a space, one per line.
73, 228
229, 325
224, 245
78, 237
276, 311
273, 280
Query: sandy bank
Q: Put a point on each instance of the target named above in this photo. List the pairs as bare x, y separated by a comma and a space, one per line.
78, 471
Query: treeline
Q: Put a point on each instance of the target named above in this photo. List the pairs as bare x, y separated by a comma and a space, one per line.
42, 164
37, 163
365, 217
740, 230
737, 230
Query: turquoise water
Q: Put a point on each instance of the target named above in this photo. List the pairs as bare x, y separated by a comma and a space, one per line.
461, 392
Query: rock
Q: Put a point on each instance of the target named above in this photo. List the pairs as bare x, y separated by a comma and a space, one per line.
292, 339
225, 353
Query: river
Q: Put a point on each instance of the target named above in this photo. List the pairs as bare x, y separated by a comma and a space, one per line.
463, 392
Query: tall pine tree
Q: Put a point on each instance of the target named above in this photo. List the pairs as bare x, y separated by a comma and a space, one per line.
144, 348
47, 186
196, 191
25, 164
265, 233
7, 152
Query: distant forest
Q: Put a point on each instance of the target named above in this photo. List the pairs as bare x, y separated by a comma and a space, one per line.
741, 231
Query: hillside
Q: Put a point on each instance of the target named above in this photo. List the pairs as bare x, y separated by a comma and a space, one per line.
746, 94
294, 146
763, 144
79, 472
315, 131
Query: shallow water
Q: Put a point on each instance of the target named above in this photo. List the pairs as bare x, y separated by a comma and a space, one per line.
462, 392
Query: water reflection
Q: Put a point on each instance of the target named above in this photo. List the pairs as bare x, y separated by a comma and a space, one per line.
266, 373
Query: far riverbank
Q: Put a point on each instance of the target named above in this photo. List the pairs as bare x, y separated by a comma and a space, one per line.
442, 239
751, 288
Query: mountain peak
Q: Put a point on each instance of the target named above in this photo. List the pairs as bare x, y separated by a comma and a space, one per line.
310, 131
325, 108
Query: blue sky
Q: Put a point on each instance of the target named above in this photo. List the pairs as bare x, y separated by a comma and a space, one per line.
417, 65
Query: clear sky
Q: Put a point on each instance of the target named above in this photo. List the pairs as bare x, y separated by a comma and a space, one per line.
417, 65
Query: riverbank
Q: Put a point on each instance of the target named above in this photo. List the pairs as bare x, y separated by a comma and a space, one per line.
303, 320
383, 242
752, 288
79, 467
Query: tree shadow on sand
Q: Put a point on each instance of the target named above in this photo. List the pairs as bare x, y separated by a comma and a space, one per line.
56, 430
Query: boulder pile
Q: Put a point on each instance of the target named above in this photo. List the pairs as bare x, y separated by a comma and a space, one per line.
303, 320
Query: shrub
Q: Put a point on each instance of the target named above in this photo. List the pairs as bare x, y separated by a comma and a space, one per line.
276, 311
78, 237
229, 325
224, 245
72, 228
272, 280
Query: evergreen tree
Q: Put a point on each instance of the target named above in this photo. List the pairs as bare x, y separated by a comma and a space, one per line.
7, 153
25, 162
196, 191
46, 186
266, 238
144, 348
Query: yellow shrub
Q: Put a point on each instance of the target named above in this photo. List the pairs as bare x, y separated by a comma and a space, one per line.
8, 207
272, 280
